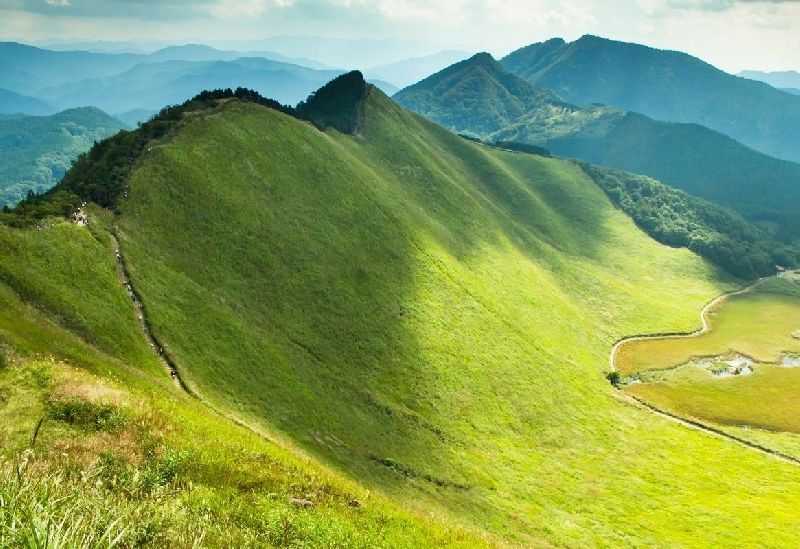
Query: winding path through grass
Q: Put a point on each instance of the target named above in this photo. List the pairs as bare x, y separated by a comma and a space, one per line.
157, 348
692, 423
612, 357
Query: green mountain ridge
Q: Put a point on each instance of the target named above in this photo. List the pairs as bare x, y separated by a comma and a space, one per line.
475, 93
664, 85
429, 317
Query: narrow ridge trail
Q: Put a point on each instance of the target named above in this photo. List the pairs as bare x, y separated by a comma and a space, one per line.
138, 309
686, 422
164, 358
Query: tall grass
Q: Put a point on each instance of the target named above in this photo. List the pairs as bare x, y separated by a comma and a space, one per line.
40, 510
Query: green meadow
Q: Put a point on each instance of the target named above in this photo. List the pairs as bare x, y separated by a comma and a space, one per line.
408, 329
120, 458
432, 319
757, 324
761, 325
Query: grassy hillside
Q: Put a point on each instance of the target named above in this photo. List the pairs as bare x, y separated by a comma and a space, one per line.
35, 151
434, 318
664, 85
121, 459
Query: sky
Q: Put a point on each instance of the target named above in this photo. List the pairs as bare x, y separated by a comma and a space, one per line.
731, 34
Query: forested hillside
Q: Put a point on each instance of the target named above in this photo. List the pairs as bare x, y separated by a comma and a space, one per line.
36, 152
664, 85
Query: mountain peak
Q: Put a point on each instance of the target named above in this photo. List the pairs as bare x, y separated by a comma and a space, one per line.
338, 104
481, 89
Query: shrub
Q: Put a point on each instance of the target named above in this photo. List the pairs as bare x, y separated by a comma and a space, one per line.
81, 413
614, 378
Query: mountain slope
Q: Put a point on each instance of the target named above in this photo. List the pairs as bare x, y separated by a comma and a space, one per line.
35, 152
665, 85
689, 157
120, 457
692, 158
434, 318
475, 95
15, 103
777, 79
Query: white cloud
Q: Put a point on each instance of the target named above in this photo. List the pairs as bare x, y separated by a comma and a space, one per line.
246, 8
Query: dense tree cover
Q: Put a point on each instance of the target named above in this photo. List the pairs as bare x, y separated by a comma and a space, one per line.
339, 104
522, 147
678, 219
665, 85
699, 161
476, 96
36, 151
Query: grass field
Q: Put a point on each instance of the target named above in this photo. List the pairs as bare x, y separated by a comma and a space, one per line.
757, 324
122, 459
433, 318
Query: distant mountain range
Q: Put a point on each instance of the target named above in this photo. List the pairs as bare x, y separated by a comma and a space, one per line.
155, 85
778, 79
134, 85
15, 103
408, 71
479, 97
36, 151
664, 85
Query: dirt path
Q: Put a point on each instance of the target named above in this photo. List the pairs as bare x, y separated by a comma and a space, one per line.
157, 348
612, 357
686, 422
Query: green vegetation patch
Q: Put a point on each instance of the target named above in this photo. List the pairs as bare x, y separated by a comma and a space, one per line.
718, 384
756, 324
678, 219
36, 151
154, 481
407, 294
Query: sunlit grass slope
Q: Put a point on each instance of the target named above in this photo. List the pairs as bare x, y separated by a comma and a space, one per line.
121, 458
434, 318
758, 324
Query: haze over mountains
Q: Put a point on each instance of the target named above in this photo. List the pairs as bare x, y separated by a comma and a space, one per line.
40, 81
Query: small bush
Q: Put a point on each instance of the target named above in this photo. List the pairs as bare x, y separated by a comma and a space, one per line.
614, 378
81, 413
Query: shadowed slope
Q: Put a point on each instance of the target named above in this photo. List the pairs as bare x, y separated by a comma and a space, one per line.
433, 317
